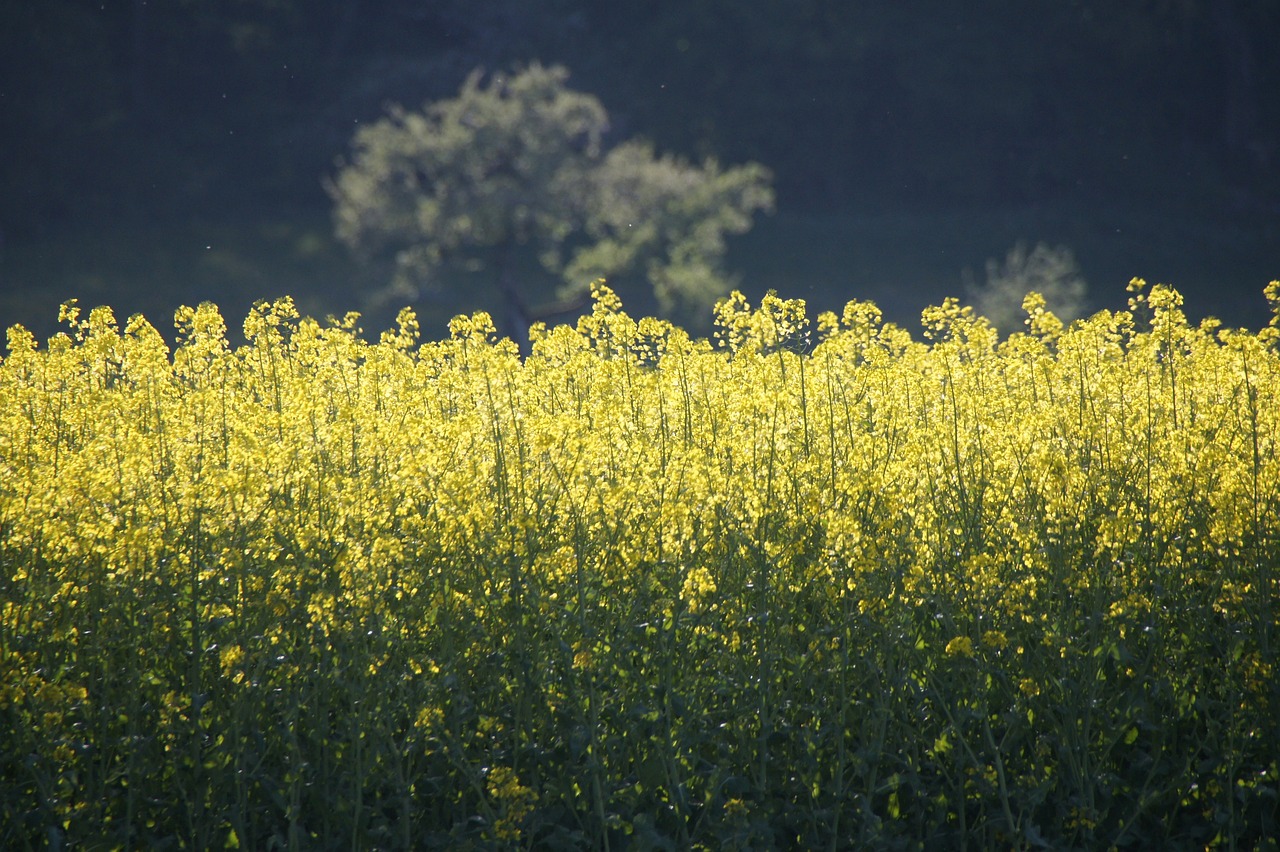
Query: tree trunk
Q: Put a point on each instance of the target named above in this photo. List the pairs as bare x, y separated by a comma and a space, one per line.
518, 315
517, 318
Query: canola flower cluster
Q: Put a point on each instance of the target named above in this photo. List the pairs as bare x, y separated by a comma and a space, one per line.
789, 587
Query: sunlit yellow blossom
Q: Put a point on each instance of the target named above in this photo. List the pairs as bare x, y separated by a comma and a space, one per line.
231, 656
698, 586
314, 577
429, 718
514, 800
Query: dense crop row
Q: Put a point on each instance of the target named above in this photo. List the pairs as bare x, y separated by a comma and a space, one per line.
640, 591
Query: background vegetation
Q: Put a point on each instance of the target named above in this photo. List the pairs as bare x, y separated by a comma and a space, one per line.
1141, 135
512, 172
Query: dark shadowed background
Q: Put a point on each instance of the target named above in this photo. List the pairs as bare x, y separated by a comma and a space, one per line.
160, 152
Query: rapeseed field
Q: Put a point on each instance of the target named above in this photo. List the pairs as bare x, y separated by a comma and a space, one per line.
796, 586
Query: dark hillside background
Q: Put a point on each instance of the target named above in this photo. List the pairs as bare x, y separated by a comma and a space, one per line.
155, 152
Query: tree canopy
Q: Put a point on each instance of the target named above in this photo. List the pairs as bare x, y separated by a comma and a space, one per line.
517, 162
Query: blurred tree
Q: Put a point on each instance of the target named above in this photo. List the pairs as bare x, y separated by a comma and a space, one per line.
518, 164
1051, 272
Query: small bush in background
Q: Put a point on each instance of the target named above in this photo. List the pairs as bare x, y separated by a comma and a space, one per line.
1051, 272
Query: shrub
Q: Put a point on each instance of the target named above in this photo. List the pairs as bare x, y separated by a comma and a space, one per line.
1051, 272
